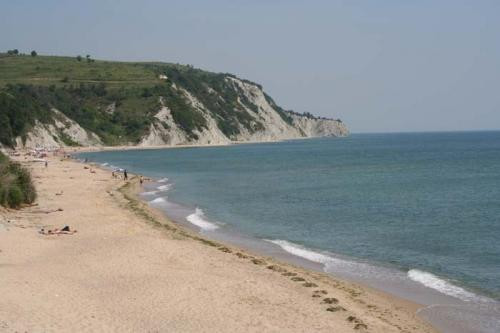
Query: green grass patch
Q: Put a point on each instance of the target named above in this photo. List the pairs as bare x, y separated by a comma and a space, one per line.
48, 70
16, 186
83, 90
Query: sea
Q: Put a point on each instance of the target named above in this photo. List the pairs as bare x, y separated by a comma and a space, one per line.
414, 214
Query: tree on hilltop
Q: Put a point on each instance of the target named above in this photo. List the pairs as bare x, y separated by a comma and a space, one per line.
33, 53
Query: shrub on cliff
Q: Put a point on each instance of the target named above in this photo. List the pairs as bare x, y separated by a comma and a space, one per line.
16, 186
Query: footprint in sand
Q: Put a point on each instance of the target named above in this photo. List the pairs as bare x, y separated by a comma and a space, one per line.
359, 323
335, 309
298, 279
360, 326
276, 268
330, 300
258, 261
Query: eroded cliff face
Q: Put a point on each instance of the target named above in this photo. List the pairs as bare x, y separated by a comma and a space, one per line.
271, 125
62, 133
165, 131
312, 128
264, 121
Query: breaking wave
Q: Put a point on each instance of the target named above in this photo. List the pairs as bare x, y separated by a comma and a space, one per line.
150, 193
164, 187
158, 200
432, 281
302, 252
425, 278
198, 219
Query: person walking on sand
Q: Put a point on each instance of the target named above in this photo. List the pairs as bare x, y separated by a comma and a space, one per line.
46, 164
141, 180
125, 175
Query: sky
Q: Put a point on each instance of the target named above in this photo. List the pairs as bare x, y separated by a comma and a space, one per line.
379, 65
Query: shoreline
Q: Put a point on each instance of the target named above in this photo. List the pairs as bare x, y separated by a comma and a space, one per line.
315, 270
265, 294
85, 149
438, 309
444, 303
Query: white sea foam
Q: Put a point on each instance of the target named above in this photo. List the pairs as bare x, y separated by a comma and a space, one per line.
105, 164
328, 261
150, 193
302, 252
334, 264
432, 281
198, 219
163, 180
427, 279
164, 187
158, 200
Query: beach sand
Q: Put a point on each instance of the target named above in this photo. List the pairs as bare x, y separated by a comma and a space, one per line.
130, 269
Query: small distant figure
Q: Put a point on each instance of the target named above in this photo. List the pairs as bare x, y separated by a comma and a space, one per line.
125, 175
141, 180
64, 231
46, 164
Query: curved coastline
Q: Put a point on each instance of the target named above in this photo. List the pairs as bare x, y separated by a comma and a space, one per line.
249, 247
431, 290
129, 268
434, 299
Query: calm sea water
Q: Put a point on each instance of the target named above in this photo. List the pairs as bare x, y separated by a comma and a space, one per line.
424, 203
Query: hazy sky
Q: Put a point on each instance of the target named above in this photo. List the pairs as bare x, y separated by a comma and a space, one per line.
385, 65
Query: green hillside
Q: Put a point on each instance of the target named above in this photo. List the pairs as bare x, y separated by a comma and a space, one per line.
16, 185
83, 89
52, 70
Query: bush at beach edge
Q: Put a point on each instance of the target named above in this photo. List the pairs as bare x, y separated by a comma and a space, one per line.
16, 185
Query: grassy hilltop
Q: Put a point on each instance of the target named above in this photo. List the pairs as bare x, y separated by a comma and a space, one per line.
59, 71
83, 89
119, 103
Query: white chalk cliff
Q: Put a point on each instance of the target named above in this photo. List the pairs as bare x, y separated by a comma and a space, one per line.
164, 131
63, 132
265, 123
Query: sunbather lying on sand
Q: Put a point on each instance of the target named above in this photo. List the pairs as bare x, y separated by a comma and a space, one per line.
64, 231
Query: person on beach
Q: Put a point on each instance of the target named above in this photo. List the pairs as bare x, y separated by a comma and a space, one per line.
125, 175
46, 164
141, 180
64, 231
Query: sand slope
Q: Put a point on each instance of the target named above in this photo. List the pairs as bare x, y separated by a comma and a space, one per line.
121, 273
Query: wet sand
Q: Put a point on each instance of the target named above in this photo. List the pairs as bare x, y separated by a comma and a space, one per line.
128, 268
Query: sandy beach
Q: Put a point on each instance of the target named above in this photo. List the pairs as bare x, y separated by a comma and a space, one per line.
127, 268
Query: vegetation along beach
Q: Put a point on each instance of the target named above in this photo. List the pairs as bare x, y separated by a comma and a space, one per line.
128, 268
250, 166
